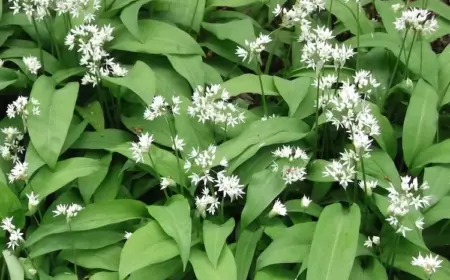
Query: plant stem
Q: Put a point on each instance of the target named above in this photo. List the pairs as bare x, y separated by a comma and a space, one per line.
41, 53
409, 54
50, 31
73, 252
103, 100
222, 212
263, 97
270, 58
392, 259
397, 62
366, 209
421, 54
330, 15
316, 121
2, 277
358, 31
172, 133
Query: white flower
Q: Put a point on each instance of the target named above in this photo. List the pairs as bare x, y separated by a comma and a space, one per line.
20, 107
229, 186
127, 235
293, 174
253, 49
305, 201
224, 162
77, 7
141, 147
278, 209
19, 172
291, 153
159, 107
428, 263
7, 224
419, 223
369, 242
341, 171
178, 143
36, 9
32, 271
207, 203
418, 20
32, 64
32, 200
376, 240
15, 237
341, 55
397, 7
403, 229
166, 182
67, 210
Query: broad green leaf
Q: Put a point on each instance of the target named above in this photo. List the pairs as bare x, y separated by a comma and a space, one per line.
76, 128
162, 270
103, 275
7, 77
109, 187
316, 170
33, 159
9, 203
373, 269
295, 206
444, 77
104, 258
93, 216
249, 83
275, 272
263, 188
157, 38
64, 74
47, 181
226, 268
440, 211
51, 64
85, 240
292, 246
347, 13
237, 31
245, 250
380, 166
387, 138
436, 153
190, 67
89, 184
230, 3
214, 238
15, 269
438, 7
48, 130
188, 13
384, 8
93, 114
147, 246
293, 92
333, 247
140, 79
175, 219
420, 124
105, 140
383, 40
129, 17
438, 177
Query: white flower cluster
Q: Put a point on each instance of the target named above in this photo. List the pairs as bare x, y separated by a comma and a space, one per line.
18, 172
419, 20
21, 107
160, 107
375, 240
428, 263
317, 52
36, 9
32, 64
212, 104
33, 200
253, 49
77, 7
368, 186
342, 170
69, 211
299, 12
229, 185
141, 147
15, 235
11, 148
292, 161
278, 209
167, 182
401, 201
207, 203
203, 160
90, 39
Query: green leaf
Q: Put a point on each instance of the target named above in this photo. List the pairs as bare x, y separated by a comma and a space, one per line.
226, 268
388, 16
372, 269
88, 184
263, 188
64, 74
147, 246
292, 246
293, 92
214, 238
7, 77
380, 166
157, 38
295, 206
162, 270
47, 181
387, 138
245, 250
237, 31
15, 269
105, 140
346, 12
85, 240
444, 77
95, 215
419, 128
51, 64
103, 275
334, 244
436, 153
438, 177
104, 258
230, 3
315, 171
249, 83
76, 128
109, 187
140, 79
175, 219
93, 114
440, 211
48, 130
129, 17
188, 13
9, 203
275, 272
190, 67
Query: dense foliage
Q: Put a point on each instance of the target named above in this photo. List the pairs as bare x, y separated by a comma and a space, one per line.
224, 139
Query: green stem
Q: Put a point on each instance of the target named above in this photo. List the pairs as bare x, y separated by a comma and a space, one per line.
316, 121
222, 212
2, 277
193, 17
73, 252
263, 97
50, 31
392, 258
41, 53
270, 58
28, 257
103, 100
366, 209
358, 31
397, 62
421, 54
172, 133
409, 54
330, 15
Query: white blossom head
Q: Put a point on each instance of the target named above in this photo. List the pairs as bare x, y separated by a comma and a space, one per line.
278, 209
141, 147
69, 211
429, 263
18, 172
253, 49
418, 20
32, 64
